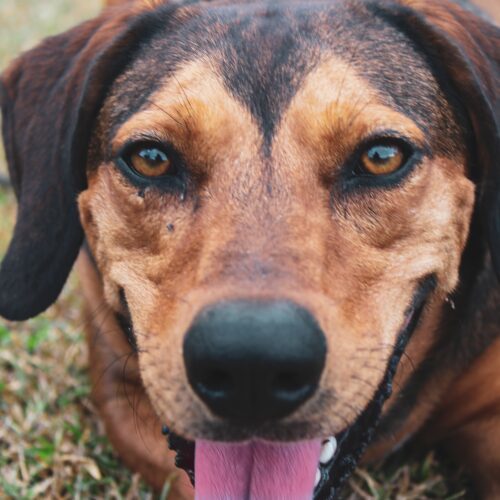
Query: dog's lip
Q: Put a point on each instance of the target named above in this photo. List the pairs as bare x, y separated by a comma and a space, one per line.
352, 441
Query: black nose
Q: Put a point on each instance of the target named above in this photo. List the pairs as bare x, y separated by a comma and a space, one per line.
254, 361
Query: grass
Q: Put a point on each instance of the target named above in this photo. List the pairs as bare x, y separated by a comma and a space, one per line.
51, 440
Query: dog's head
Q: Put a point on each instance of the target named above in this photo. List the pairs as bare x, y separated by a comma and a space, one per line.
277, 195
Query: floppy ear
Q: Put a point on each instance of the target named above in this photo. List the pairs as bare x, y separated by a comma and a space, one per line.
49, 98
464, 52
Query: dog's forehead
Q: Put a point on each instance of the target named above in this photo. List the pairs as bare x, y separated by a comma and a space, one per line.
263, 52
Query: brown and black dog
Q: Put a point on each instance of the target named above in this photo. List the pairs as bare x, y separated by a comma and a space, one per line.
279, 199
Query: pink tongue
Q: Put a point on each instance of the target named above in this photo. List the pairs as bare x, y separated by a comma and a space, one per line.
256, 470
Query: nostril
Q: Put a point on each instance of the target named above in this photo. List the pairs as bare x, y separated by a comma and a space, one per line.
218, 382
291, 385
288, 381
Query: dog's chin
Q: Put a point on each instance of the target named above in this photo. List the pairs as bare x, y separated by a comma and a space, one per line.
316, 468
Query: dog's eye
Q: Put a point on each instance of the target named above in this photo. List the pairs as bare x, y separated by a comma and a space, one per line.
150, 162
383, 159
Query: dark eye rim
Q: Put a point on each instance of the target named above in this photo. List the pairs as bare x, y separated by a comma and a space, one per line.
174, 179
355, 176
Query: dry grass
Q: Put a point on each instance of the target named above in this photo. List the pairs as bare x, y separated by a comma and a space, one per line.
51, 441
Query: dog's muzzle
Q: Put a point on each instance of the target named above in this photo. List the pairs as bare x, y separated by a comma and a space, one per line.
238, 355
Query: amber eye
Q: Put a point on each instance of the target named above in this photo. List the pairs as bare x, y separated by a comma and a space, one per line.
382, 159
150, 162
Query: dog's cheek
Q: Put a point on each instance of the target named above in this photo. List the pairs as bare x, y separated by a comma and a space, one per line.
86, 205
87, 219
465, 198
461, 202
427, 224
107, 208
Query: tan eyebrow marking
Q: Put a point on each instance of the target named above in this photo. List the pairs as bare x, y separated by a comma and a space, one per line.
193, 103
335, 108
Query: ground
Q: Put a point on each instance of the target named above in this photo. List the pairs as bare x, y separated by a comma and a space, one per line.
51, 441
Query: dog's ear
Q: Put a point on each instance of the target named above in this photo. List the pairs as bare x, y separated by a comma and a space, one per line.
49, 98
464, 50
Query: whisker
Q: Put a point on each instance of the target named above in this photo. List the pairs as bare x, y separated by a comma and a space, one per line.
172, 117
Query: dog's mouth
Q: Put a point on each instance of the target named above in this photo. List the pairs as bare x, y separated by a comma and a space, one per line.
309, 469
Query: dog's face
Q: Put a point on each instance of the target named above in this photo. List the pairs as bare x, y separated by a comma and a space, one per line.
251, 166
291, 156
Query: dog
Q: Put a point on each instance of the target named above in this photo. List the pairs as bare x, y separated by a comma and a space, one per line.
285, 217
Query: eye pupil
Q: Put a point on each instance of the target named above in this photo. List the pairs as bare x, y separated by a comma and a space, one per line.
149, 161
382, 154
153, 156
382, 159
